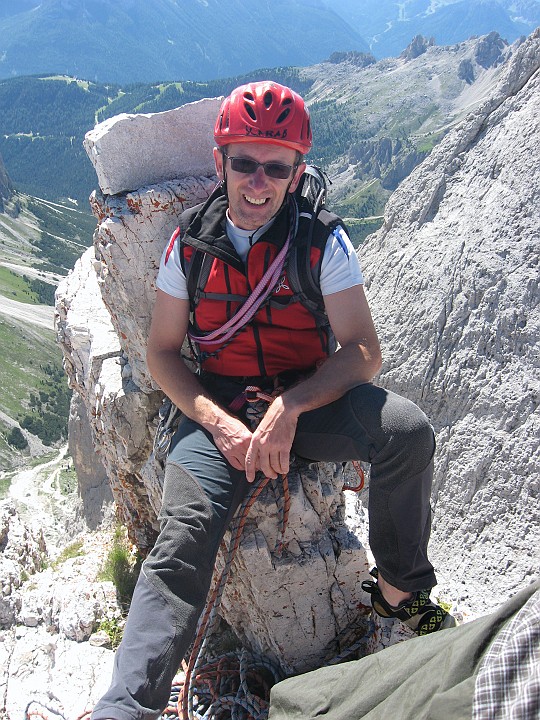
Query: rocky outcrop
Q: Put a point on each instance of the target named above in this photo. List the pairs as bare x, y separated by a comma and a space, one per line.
417, 47
22, 552
388, 159
490, 50
453, 286
466, 71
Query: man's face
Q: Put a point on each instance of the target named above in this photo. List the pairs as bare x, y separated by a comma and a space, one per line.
255, 198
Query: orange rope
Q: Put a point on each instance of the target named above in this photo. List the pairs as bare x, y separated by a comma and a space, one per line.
361, 477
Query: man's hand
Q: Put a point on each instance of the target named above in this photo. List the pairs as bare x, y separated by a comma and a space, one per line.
271, 443
232, 439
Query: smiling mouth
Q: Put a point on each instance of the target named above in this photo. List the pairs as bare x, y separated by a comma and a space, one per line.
255, 201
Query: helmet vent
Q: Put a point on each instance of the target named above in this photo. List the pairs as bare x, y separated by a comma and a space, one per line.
283, 116
250, 111
268, 99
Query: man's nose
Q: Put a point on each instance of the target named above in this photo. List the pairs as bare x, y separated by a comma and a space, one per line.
258, 178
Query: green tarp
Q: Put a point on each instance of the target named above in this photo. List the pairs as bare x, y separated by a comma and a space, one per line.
425, 678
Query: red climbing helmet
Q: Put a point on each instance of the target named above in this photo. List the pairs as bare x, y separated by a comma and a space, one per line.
264, 112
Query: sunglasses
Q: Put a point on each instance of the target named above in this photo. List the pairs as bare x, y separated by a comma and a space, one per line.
277, 170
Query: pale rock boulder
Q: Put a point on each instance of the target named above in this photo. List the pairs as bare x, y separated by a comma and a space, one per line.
453, 287
66, 605
118, 412
132, 233
292, 603
130, 151
22, 552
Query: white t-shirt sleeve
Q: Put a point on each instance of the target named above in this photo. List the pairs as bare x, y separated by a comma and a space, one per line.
171, 278
340, 268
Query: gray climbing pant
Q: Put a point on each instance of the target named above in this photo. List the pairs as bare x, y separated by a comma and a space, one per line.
201, 494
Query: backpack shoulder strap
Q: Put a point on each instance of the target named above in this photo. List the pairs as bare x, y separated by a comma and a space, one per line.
305, 261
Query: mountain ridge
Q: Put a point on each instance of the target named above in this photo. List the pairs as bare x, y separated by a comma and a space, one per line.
131, 41
349, 98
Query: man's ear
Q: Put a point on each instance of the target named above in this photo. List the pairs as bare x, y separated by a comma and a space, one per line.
218, 160
297, 175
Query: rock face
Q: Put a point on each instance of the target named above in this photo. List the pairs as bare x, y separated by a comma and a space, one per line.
417, 47
453, 286
92, 480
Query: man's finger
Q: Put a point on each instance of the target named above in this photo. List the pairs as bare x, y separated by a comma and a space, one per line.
284, 459
250, 466
268, 467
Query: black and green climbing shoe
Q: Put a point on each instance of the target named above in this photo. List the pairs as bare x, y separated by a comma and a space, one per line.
419, 612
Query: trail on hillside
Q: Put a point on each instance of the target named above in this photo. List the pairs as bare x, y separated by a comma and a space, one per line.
41, 502
40, 315
34, 273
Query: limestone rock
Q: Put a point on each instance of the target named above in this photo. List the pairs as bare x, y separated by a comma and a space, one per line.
21, 555
290, 606
103, 314
417, 47
132, 233
92, 481
490, 49
130, 151
453, 287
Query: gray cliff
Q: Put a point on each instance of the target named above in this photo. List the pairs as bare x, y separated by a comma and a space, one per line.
453, 286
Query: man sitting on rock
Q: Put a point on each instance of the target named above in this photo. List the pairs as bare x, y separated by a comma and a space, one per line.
225, 282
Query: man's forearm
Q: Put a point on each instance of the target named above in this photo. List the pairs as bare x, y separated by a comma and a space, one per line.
349, 366
183, 388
